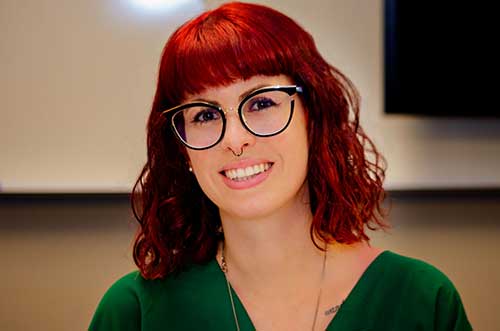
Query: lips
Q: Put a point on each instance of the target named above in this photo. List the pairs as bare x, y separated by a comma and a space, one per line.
246, 173
240, 174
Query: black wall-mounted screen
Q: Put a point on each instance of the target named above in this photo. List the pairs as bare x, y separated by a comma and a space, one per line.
440, 58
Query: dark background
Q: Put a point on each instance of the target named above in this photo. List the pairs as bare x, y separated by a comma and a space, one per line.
440, 58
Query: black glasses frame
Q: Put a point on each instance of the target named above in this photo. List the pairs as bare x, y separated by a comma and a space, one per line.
289, 89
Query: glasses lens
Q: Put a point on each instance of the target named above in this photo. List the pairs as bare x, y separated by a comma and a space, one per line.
198, 126
268, 112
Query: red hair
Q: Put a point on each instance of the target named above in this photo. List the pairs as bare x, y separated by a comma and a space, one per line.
178, 223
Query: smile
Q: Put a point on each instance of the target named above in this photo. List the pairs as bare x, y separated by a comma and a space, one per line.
243, 174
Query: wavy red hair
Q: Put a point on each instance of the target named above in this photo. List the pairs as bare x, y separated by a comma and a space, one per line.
178, 223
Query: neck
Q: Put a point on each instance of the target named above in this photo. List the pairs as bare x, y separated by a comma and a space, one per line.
271, 247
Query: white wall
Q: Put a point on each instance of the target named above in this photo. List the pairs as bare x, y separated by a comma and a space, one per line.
76, 84
78, 79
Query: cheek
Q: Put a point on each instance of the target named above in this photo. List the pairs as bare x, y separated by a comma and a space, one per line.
204, 169
299, 133
299, 158
199, 164
293, 147
299, 145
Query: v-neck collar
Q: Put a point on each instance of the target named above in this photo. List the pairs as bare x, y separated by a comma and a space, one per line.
246, 323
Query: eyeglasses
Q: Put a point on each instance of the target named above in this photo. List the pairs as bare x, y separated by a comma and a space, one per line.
264, 112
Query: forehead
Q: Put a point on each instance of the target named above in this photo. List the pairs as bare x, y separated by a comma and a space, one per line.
237, 90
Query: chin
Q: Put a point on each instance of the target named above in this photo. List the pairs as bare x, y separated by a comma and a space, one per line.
253, 210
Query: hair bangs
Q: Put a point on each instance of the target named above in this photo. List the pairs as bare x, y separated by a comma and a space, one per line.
212, 52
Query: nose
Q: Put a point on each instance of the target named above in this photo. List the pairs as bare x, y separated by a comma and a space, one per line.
236, 138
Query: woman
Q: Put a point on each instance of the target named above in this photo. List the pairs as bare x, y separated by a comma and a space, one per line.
258, 189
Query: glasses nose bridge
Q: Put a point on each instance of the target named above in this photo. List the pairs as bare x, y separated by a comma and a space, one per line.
236, 118
235, 114
235, 135
228, 110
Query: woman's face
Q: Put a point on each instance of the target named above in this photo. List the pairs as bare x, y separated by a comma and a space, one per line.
283, 157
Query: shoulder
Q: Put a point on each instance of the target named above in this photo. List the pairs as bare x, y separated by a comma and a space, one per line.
133, 303
123, 298
420, 288
407, 268
411, 274
126, 291
129, 301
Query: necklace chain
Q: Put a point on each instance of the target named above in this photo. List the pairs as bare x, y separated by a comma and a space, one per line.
225, 271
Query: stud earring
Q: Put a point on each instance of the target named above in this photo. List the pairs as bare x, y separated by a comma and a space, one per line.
190, 169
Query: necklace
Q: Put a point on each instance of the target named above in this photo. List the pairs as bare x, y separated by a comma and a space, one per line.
225, 270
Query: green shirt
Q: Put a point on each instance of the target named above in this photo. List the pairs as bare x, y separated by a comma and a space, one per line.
394, 293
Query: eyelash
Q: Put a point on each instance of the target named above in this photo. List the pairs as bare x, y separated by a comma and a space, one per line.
269, 103
196, 118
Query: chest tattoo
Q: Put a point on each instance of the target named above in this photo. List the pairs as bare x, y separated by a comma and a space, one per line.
333, 310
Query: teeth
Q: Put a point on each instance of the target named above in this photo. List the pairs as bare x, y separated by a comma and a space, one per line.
244, 173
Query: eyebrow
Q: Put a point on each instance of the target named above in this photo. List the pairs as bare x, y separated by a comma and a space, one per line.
241, 97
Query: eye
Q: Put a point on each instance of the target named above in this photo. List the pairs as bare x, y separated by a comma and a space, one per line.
260, 103
206, 115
